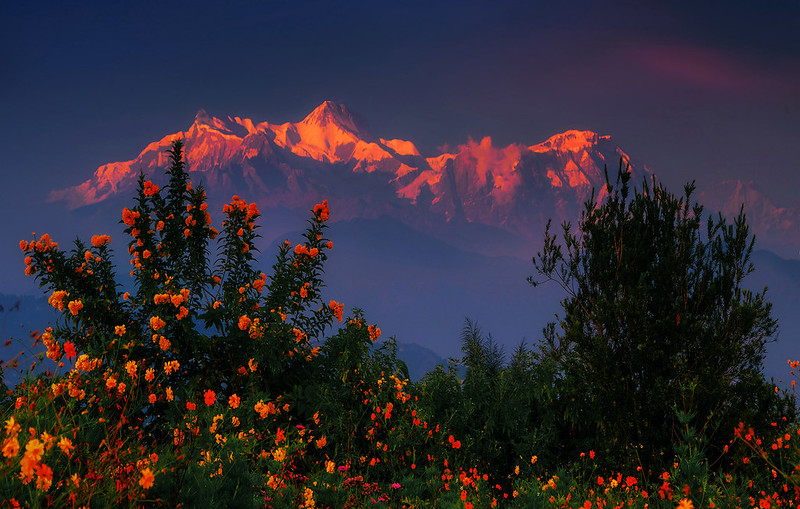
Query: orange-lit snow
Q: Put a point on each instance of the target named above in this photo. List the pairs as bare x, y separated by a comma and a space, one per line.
332, 134
401, 147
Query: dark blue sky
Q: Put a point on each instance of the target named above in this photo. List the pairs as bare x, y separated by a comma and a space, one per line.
704, 90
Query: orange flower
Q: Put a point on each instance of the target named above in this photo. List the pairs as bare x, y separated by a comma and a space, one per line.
131, 367
10, 447
164, 343
322, 211
75, 306
150, 374
149, 188
210, 397
100, 240
337, 309
65, 444
44, 477
252, 364
374, 332
244, 322
234, 401
129, 217
57, 299
685, 504
151, 398
156, 323
147, 478
258, 284
171, 366
119, 330
34, 449
12, 426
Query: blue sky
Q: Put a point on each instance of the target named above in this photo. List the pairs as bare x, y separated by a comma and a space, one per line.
696, 90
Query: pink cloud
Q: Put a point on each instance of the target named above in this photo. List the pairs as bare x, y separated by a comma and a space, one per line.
713, 69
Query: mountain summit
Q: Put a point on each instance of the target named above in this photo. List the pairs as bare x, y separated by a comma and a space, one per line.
330, 112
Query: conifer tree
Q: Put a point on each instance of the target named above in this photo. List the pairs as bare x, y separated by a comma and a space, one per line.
656, 322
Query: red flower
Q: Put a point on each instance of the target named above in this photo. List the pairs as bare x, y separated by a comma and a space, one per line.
69, 349
210, 397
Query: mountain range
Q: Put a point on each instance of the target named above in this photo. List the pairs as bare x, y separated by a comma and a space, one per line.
332, 154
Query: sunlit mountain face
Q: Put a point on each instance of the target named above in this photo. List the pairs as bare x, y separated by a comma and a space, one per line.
332, 154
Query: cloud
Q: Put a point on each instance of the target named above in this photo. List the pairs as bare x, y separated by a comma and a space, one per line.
715, 70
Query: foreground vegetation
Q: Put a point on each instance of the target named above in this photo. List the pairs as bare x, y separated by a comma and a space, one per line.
214, 384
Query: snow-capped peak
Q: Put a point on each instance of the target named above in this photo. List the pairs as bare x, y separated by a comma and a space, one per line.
330, 112
229, 127
572, 141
